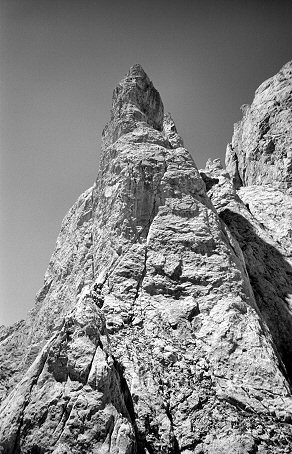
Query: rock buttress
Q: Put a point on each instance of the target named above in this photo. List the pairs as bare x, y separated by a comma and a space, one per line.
261, 147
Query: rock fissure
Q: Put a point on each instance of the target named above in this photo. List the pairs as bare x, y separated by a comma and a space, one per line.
40, 366
66, 415
143, 274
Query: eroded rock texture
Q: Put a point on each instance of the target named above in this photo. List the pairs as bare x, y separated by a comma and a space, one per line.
261, 147
164, 323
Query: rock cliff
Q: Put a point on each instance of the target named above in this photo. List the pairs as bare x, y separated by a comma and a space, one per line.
261, 147
164, 324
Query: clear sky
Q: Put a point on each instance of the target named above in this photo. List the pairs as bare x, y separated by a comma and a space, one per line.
59, 63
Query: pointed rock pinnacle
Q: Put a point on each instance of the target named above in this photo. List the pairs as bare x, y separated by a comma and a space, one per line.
137, 71
135, 102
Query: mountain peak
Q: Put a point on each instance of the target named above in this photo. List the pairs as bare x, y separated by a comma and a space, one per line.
164, 324
136, 71
135, 102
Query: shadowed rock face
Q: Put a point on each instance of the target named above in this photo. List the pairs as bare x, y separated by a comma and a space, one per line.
259, 218
153, 332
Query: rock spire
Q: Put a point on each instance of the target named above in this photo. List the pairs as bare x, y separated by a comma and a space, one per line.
164, 322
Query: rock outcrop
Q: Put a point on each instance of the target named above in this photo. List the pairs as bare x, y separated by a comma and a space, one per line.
164, 324
261, 147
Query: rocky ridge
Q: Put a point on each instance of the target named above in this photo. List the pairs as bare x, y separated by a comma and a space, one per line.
164, 323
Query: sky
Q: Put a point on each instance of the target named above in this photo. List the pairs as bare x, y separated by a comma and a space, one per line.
59, 63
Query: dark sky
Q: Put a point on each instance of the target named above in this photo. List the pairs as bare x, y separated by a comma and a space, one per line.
59, 63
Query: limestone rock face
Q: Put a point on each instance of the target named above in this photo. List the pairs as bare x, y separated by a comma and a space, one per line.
12, 349
70, 267
259, 218
261, 147
71, 398
163, 324
253, 197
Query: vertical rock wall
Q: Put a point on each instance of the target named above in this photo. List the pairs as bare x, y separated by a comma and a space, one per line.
261, 147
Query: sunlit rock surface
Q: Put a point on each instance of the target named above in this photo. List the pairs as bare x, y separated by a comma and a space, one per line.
164, 323
261, 147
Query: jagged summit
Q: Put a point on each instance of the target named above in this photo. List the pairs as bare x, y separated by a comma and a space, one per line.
135, 102
137, 71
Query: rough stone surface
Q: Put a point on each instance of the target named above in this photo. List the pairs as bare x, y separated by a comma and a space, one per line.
70, 268
163, 325
259, 218
73, 398
261, 147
